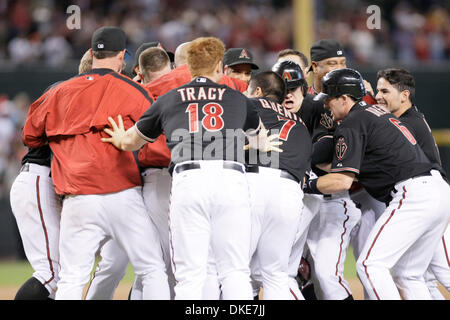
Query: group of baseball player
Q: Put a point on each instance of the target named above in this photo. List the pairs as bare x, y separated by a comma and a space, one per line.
218, 182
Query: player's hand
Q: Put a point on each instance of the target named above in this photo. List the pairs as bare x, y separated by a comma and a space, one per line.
263, 142
368, 87
117, 133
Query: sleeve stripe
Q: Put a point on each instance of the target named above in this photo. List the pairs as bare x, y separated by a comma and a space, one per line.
326, 136
140, 134
345, 169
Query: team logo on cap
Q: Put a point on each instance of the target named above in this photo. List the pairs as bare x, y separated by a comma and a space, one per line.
244, 54
341, 148
100, 46
339, 52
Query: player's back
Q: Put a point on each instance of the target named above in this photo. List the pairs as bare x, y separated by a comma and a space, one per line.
416, 123
203, 120
390, 152
73, 117
297, 146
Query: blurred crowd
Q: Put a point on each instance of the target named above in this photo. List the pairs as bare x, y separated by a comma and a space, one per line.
35, 32
411, 31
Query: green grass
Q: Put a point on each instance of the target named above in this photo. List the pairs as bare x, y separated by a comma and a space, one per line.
14, 273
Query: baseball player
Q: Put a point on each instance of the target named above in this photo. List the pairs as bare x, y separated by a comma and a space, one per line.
155, 44
181, 75
37, 212
295, 56
93, 211
37, 208
302, 104
238, 63
416, 195
395, 91
153, 62
327, 269
275, 215
203, 210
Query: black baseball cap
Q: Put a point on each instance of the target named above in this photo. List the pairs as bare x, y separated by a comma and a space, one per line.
324, 49
234, 56
147, 45
108, 39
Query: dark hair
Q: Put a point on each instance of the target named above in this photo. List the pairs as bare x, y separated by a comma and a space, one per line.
271, 84
294, 52
104, 54
401, 79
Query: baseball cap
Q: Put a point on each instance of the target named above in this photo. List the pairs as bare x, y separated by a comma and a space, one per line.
108, 39
234, 56
147, 45
324, 49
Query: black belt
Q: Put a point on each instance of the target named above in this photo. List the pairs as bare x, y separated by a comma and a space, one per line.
196, 165
283, 173
26, 168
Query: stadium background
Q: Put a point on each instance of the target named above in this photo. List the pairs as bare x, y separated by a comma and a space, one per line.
37, 49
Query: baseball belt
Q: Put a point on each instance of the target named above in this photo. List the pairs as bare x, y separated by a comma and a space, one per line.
26, 168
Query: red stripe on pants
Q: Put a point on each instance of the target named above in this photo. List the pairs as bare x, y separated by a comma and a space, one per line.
45, 232
373, 243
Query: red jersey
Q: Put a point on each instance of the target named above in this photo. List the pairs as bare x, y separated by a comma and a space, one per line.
157, 154
72, 116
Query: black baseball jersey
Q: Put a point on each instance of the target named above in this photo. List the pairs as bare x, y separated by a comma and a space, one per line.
416, 123
297, 146
316, 117
321, 127
41, 156
376, 146
202, 120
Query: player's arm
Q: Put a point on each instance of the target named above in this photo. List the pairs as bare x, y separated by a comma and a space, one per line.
33, 133
348, 150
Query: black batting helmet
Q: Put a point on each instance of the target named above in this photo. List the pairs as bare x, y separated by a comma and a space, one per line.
342, 81
292, 74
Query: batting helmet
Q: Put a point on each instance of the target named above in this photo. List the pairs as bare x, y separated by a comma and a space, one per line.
292, 74
342, 81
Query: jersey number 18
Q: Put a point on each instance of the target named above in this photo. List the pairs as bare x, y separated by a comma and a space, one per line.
212, 119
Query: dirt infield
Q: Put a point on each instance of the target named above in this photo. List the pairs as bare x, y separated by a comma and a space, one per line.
8, 293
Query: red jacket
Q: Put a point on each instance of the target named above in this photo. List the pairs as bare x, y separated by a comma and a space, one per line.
72, 116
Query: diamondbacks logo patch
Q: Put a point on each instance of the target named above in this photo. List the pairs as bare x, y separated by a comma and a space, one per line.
244, 54
341, 148
326, 121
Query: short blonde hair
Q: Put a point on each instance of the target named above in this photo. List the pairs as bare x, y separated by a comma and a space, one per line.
203, 55
85, 62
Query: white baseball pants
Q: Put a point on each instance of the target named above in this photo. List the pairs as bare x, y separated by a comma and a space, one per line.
328, 240
276, 211
87, 221
311, 206
210, 206
37, 209
404, 239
